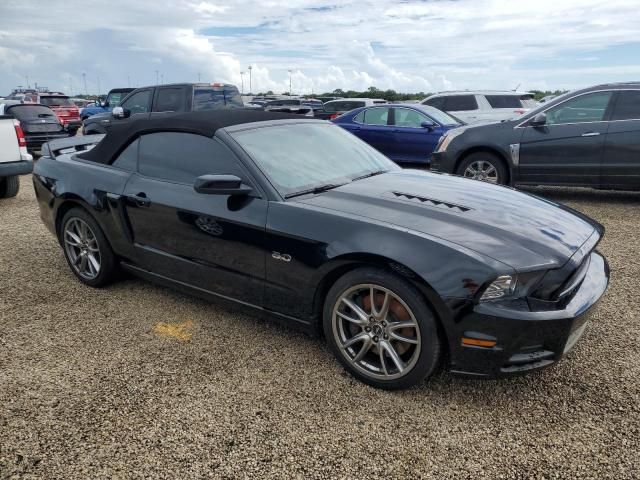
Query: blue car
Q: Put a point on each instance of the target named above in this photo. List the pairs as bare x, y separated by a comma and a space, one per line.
406, 133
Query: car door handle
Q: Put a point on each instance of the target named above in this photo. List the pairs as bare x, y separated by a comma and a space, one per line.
591, 134
140, 199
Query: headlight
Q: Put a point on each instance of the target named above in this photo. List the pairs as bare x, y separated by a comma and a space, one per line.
500, 287
446, 140
514, 286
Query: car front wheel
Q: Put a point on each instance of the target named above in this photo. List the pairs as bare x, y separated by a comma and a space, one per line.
381, 329
485, 167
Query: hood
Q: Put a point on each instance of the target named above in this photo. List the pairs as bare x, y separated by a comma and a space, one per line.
515, 228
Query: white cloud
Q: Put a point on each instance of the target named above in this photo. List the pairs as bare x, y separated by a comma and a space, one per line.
409, 46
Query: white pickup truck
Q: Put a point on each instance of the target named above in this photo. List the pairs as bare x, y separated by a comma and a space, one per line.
14, 158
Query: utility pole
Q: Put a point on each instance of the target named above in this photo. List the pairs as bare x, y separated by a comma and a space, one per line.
242, 83
84, 79
289, 82
250, 87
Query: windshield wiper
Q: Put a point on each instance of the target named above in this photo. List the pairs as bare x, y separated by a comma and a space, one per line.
370, 174
318, 189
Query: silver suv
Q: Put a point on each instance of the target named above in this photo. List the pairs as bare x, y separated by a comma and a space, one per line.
482, 106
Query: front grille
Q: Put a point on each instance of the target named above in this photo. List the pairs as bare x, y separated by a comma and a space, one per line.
430, 202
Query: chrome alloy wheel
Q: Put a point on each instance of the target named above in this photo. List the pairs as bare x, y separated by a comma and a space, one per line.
482, 170
82, 248
376, 331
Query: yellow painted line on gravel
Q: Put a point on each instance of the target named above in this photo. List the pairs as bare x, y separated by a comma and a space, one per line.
180, 330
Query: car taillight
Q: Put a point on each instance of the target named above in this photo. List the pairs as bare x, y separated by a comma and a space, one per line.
520, 111
22, 142
332, 116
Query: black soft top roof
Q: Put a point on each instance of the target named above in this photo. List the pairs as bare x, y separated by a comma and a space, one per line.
206, 123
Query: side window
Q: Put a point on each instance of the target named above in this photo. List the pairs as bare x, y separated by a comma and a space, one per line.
359, 118
437, 102
169, 100
627, 106
460, 103
585, 108
182, 157
504, 101
376, 116
128, 158
405, 117
138, 102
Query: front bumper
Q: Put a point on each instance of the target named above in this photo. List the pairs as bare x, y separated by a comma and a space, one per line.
442, 162
526, 340
21, 167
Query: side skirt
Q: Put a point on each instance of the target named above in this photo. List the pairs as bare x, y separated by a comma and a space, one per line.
305, 325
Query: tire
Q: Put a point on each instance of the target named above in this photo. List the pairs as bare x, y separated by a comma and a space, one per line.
93, 244
9, 186
493, 167
377, 332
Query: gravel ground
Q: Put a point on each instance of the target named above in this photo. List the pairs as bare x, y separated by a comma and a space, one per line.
136, 381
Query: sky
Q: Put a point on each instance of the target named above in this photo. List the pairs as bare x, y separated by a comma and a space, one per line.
408, 45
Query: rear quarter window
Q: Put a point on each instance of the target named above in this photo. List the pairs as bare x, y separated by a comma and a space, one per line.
212, 98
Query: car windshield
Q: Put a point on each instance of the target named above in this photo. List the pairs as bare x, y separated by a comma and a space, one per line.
56, 101
213, 98
438, 115
313, 155
31, 112
114, 98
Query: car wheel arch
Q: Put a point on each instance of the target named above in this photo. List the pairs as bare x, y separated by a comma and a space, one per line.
486, 149
343, 264
66, 205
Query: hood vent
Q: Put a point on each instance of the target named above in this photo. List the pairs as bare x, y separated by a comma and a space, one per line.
430, 202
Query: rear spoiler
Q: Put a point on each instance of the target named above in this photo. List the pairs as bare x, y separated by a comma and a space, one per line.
70, 145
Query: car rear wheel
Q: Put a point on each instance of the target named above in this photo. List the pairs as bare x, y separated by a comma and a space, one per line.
9, 186
485, 167
86, 249
381, 329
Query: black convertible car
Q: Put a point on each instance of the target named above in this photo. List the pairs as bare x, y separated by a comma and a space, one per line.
402, 270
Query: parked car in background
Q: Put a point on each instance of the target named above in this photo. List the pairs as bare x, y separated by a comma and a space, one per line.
66, 111
114, 97
482, 106
327, 99
313, 103
290, 105
178, 97
588, 138
334, 108
14, 158
406, 133
403, 270
81, 103
38, 123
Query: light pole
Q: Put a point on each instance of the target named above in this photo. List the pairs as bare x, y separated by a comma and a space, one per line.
198, 77
289, 82
250, 87
84, 80
242, 83
157, 77
98, 86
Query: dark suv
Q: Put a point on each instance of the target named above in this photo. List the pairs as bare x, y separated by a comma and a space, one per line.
180, 97
588, 138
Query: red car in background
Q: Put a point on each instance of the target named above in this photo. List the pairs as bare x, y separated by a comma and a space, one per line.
66, 111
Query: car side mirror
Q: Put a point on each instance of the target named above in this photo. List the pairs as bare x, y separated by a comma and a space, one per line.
221, 185
428, 124
539, 120
119, 112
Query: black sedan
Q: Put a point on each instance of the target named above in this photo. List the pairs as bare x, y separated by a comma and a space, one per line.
402, 270
587, 138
